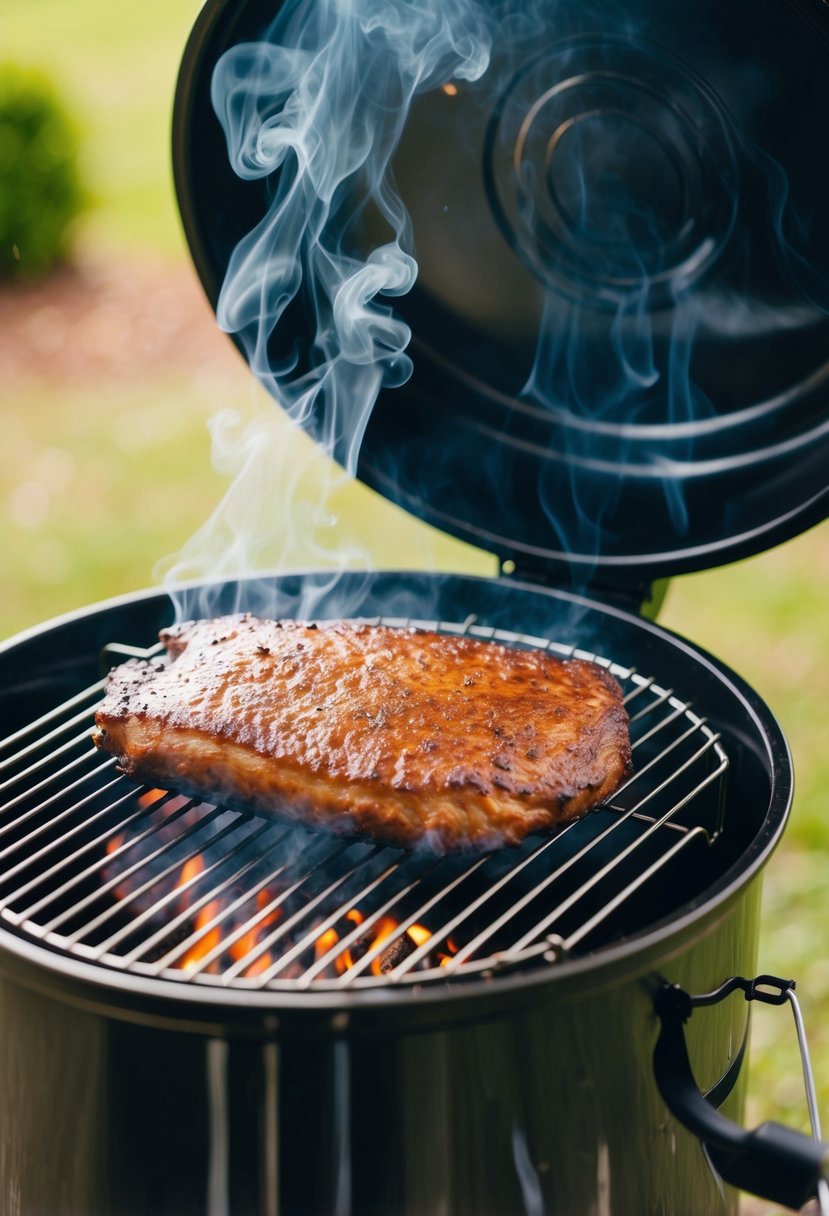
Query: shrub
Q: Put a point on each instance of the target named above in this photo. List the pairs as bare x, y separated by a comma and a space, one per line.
40, 187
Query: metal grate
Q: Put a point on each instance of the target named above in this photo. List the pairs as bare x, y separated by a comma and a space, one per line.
155, 884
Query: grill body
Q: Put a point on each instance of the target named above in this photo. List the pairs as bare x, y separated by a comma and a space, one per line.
548, 1107
526, 1091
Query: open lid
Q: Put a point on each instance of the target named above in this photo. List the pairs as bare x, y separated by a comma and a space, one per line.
620, 323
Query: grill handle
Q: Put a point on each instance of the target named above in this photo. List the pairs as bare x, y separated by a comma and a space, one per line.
772, 1161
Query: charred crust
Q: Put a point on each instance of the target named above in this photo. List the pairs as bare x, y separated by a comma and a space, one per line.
561, 728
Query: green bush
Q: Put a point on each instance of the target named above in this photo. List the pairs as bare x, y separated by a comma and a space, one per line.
40, 186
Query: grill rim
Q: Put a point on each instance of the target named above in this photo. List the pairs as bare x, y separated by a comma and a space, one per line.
207, 1010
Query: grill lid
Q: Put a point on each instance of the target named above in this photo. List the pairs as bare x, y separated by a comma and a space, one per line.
620, 323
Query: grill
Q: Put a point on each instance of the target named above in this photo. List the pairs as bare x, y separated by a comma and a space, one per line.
152, 883
293, 988
618, 341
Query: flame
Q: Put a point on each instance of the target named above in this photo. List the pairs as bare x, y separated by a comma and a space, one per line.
114, 844
451, 90
419, 934
209, 937
151, 796
452, 949
242, 946
325, 942
248, 942
329, 938
385, 929
190, 871
209, 941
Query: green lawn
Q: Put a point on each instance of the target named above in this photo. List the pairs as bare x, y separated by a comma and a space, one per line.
99, 482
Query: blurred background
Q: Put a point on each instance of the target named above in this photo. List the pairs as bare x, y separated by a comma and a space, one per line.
111, 367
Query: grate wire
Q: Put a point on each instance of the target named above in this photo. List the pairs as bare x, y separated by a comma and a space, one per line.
152, 883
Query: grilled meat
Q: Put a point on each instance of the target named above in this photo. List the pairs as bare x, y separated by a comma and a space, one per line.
396, 732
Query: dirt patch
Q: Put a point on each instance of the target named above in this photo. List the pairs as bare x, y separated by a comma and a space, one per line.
110, 321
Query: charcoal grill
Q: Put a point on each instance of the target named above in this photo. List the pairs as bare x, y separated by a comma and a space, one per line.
277, 1064
198, 984
76, 832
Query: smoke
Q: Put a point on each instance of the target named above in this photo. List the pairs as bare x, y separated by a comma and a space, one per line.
658, 246
318, 106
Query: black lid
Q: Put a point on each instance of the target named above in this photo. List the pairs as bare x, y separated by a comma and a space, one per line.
620, 324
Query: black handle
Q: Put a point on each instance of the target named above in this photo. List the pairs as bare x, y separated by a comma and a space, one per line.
772, 1161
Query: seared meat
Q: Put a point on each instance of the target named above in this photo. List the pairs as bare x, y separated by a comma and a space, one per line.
396, 732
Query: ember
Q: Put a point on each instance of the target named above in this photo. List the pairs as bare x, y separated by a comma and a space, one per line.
380, 959
213, 921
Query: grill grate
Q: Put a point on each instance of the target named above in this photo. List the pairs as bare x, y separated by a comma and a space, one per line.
155, 884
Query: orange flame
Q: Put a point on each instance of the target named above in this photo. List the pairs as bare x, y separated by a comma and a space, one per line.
206, 943
248, 942
150, 796
209, 939
384, 929
114, 844
451, 949
327, 940
239, 949
190, 871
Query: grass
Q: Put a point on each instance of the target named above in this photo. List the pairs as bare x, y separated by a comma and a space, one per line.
124, 477
82, 516
100, 482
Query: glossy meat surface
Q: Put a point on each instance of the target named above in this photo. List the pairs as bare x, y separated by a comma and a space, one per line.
398, 733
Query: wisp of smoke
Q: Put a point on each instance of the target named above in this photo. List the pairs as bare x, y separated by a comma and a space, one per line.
639, 238
317, 107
